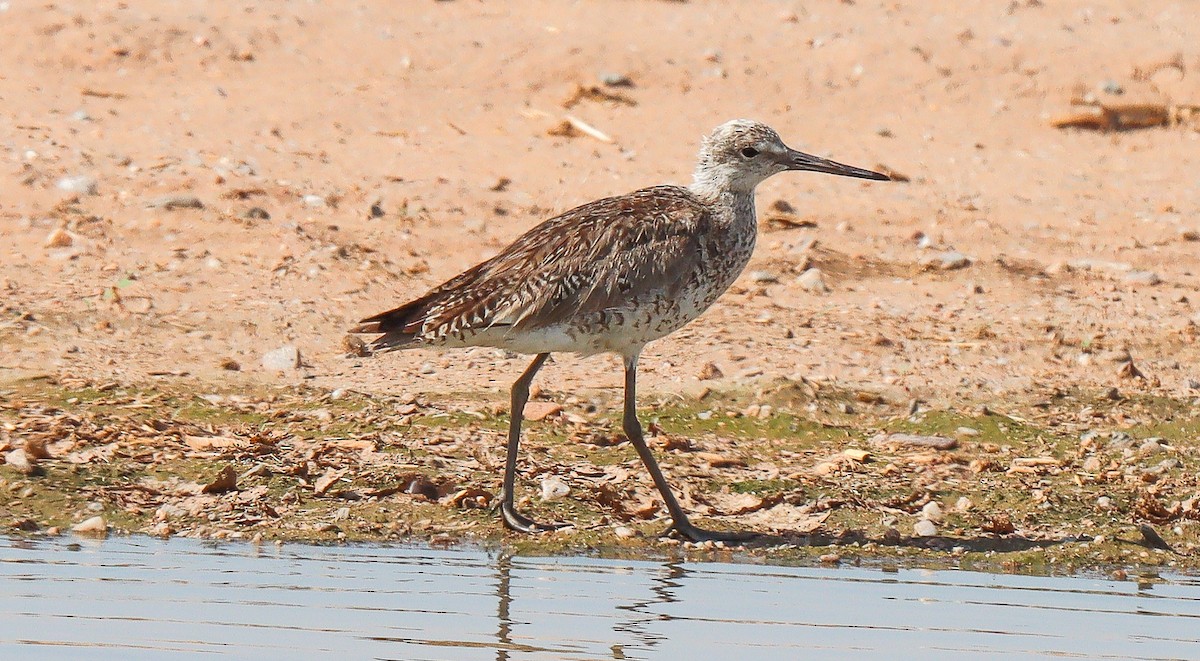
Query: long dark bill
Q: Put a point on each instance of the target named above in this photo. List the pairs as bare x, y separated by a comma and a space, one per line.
798, 160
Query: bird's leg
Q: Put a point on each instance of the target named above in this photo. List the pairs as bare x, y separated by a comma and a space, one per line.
633, 430
520, 395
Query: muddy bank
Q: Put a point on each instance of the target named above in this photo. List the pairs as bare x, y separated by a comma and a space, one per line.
825, 474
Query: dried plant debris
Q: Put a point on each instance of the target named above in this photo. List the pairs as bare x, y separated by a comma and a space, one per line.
104, 458
1097, 116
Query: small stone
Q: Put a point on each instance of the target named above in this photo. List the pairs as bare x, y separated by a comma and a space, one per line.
1189, 235
624, 532
1142, 278
830, 559
963, 504
932, 511
315, 201
427, 368
257, 213
21, 461
282, 359
1092, 465
616, 79
178, 201
59, 238
925, 528
554, 488
763, 277
966, 432
81, 184
1150, 446
813, 280
947, 261
95, 526
230, 365
710, 371
1104, 503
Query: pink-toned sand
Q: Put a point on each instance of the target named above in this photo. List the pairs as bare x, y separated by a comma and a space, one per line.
314, 112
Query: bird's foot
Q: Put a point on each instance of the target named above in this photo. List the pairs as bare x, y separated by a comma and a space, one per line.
514, 520
692, 533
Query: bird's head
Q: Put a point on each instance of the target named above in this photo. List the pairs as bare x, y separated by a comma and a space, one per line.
742, 153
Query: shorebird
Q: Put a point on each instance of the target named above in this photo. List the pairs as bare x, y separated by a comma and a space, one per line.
610, 276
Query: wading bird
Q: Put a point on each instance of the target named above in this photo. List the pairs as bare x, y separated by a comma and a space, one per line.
610, 276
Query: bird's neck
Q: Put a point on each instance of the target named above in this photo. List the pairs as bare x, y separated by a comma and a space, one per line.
731, 205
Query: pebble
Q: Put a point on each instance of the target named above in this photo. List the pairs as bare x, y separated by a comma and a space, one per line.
764, 277
963, 504
1142, 278
1104, 502
947, 261
284, 358
1151, 446
257, 213
21, 462
428, 368
925, 528
813, 280
613, 79
95, 525
82, 184
932, 511
830, 559
180, 201
59, 238
1088, 264
315, 201
553, 488
710, 371
966, 432
624, 532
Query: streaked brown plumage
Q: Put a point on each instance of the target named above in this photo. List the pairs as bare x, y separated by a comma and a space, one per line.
609, 276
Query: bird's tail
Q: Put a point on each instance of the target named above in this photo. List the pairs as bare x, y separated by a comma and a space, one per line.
400, 327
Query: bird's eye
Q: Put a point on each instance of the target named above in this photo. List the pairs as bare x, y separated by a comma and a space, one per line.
749, 152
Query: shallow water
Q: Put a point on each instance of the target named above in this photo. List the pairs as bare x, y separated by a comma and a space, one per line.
140, 598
